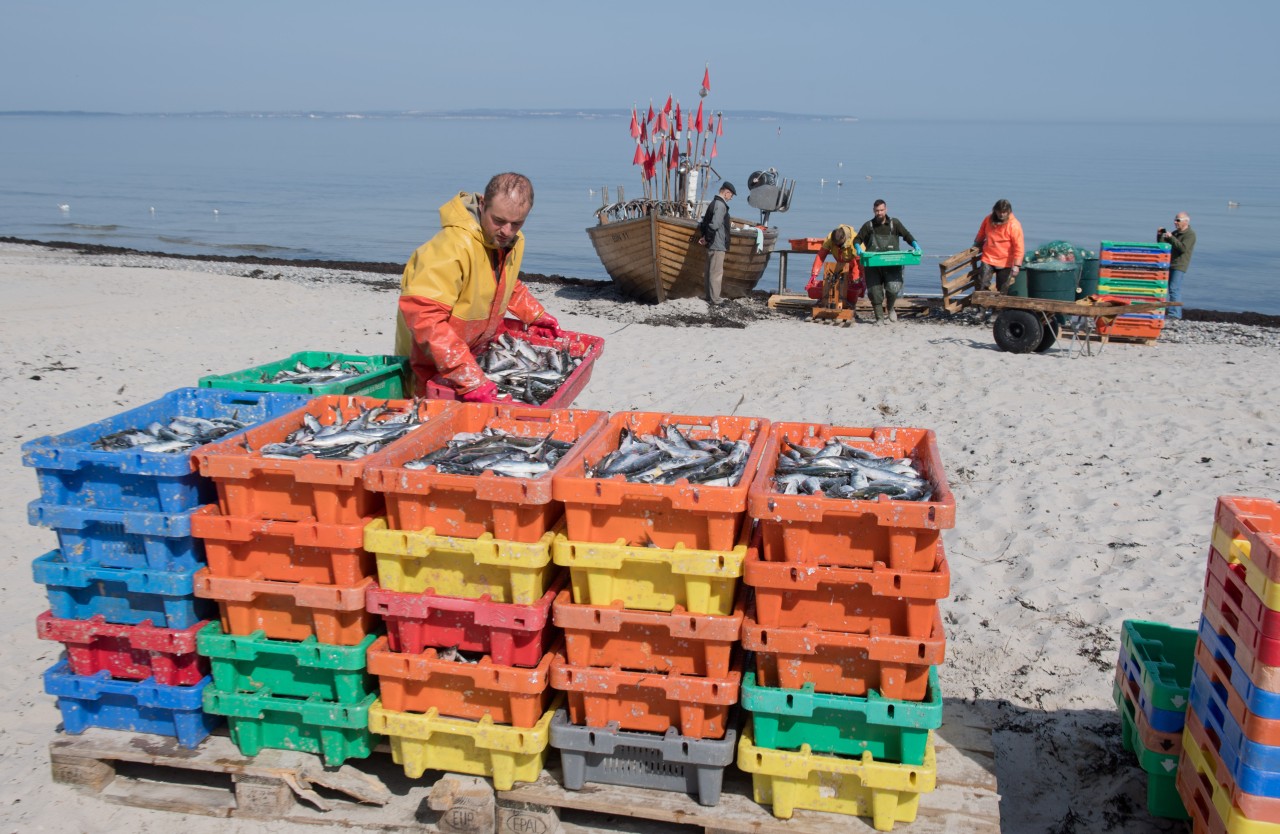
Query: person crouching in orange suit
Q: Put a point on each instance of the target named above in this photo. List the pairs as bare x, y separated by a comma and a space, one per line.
840, 245
458, 286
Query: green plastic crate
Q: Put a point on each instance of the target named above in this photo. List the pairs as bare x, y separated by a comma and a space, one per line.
900, 257
382, 376
303, 669
1161, 768
845, 725
1134, 246
336, 732
1166, 656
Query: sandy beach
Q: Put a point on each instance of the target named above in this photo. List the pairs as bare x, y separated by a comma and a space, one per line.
1085, 485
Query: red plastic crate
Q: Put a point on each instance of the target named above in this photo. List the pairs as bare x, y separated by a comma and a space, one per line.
1246, 631
1132, 328
1218, 671
1230, 579
512, 635
674, 642
1127, 274
1263, 675
580, 345
874, 600
128, 652
844, 664
1256, 521
604, 510
512, 695
697, 707
905, 535
512, 509
333, 614
326, 491
284, 551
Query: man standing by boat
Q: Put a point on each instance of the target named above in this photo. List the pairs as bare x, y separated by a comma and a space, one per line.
881, 234
1183, 241
714, 231
1000, 239
457, 287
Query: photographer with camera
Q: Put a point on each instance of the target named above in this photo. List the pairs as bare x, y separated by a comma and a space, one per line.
1183, 241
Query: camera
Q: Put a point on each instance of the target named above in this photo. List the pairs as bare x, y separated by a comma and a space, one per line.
1160, 233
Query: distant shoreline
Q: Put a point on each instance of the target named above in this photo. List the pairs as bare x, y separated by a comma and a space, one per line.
394, 268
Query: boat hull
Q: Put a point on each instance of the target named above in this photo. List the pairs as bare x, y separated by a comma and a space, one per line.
658, 258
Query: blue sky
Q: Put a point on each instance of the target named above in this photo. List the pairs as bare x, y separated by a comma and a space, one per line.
995, 60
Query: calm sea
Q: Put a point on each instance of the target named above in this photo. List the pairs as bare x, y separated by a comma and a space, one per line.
369, 188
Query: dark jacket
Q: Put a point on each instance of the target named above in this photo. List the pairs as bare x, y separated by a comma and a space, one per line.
1182, 242
714, 227
887, 233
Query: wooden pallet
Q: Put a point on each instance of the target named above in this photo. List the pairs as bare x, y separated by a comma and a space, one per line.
374, 794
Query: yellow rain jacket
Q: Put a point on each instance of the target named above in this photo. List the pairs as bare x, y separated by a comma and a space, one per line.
454, 293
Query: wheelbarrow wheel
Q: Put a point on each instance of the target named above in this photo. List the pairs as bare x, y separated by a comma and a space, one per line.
1017, 331
1046, 341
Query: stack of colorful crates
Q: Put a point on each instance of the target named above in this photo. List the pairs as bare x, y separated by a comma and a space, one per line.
1138, 273
290, 575
651, 665
1229, 773
847, 635
1151, 691
120, 583
466, 584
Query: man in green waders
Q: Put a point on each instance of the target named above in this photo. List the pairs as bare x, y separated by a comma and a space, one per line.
881, 234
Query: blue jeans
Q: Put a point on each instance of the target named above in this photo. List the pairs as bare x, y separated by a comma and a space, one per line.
1175, 292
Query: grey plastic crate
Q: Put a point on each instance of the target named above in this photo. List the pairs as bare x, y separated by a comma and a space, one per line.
666, 762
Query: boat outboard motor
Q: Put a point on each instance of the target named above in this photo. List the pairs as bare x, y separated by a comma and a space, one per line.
769, 193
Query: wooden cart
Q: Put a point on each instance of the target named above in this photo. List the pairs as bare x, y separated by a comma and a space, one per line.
1023, 325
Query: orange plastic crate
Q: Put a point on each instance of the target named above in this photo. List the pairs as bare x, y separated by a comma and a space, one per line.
1129, 327
1124, 274
905, 535
606, 510
875, 600
1218, 671
674, 642
512, 509
284, 551
697, 707
511, 695
333, 614
844, 664
806, 244
327, 491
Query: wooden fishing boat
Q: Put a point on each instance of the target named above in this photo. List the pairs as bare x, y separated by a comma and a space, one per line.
657, 257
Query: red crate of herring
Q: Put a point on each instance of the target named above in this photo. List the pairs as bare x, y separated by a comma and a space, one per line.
287, 489
128, 652
905, 535
683, 514
581, 346
509, 508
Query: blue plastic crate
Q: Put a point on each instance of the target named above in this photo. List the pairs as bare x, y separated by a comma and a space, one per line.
1249, 777
121, 538
1259, 701
134, 706
1161, 720
1211, 707
120, 595
71, 471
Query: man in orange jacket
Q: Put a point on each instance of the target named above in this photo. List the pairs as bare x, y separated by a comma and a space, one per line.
457, 287
1000, 238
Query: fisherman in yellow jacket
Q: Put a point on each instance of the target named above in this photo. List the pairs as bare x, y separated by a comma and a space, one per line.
457, 287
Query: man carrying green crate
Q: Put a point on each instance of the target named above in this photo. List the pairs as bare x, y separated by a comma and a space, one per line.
881, 234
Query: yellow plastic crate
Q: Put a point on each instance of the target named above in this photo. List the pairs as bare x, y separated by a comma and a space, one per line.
653, 578
428, 741
1238, 551
1196, 760
861, 787
417, 561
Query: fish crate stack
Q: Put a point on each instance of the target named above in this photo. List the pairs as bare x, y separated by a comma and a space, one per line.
651, 664
845, 625
1229, 772
121, 494
465, 587
289, 572
1138, 273
1152, 692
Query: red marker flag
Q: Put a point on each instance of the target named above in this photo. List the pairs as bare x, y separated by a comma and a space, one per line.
697, 121
639, 157
720, 124
667, 109
663, 125
713, 148
650, 119
679, 124
706, 81
674, 160
635, 123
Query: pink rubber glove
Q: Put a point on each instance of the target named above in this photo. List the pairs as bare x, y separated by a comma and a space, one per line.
486, 393
546, 326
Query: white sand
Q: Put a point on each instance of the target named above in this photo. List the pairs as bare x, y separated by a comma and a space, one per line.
1085, 486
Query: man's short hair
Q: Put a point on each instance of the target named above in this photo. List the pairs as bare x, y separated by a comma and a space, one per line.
516, 185
878, 203
839, 235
